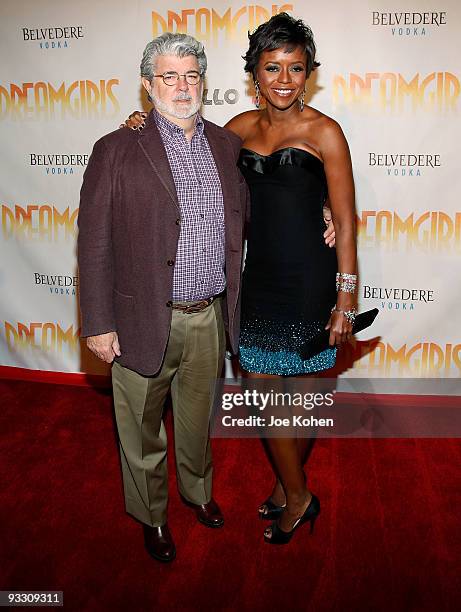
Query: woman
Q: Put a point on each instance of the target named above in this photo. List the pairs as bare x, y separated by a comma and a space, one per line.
293, 158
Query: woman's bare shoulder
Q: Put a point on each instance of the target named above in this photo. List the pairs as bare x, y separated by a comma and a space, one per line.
323, 129
321, 121
243, 123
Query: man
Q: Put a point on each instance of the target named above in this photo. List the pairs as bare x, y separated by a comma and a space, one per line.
162, 215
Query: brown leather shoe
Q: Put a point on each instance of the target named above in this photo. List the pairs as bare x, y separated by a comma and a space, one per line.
159, 543
209, 514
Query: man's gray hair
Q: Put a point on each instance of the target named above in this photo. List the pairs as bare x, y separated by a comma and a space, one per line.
181, 45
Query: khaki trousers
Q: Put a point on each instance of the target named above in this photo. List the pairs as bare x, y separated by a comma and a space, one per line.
193, 360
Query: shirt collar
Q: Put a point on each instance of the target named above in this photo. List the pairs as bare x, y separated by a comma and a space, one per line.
171, 129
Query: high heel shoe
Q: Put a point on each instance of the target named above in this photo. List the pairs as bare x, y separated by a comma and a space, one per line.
279, 536
272, 510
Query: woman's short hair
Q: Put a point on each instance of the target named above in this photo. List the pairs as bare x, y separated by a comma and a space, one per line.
181, 45
281, 31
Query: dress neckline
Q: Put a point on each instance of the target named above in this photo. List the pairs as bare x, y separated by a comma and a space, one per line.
280, 151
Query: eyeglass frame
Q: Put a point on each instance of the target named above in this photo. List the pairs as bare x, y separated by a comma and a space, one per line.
173, 72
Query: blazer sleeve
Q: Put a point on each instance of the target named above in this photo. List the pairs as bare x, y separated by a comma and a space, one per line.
94, 245
236, 143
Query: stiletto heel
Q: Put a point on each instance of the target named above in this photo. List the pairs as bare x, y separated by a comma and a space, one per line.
279, 536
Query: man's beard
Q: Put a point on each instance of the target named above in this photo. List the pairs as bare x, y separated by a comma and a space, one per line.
170, 109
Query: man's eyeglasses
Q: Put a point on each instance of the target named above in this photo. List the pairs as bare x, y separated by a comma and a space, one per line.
171, 78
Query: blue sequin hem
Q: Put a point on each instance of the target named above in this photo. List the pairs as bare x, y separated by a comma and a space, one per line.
284, 363
269, 346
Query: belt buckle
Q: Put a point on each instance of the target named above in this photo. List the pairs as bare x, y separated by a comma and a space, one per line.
199, 306
190, 310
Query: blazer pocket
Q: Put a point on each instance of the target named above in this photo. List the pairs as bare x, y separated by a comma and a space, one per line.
125, 295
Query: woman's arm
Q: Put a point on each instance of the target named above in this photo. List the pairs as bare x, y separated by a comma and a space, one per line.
338, 170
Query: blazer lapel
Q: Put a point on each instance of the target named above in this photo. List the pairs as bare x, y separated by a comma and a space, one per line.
153, 148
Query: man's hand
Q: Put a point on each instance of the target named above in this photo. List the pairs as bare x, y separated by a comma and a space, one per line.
136, 121
329, 234
104, 346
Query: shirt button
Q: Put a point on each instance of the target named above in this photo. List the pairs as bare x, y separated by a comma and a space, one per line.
178, 221
170, 262
169, 304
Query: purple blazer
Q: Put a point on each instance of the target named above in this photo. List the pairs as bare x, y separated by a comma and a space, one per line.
128, 230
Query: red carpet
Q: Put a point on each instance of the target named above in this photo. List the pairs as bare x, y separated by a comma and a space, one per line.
388, 537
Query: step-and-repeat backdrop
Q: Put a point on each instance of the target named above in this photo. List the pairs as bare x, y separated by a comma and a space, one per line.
390, 75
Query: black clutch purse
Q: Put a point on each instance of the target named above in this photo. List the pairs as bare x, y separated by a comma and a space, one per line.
320, 342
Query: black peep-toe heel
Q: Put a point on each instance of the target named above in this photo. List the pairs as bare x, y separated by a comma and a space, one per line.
279, 536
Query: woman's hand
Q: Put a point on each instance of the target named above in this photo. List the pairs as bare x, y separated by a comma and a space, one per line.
136, 121
340, 328
329, 234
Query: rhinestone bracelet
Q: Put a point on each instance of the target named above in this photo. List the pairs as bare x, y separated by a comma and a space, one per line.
346, 282
347, 287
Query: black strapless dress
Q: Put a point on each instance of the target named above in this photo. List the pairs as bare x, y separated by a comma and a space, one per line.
289, 280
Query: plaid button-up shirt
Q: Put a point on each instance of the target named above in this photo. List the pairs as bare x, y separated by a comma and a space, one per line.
199, 264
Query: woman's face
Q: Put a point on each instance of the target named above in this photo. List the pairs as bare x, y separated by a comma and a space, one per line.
282, 76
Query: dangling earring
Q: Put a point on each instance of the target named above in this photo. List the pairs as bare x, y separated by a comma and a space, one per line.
257, 95
301, 101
